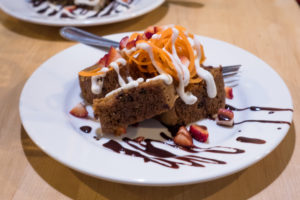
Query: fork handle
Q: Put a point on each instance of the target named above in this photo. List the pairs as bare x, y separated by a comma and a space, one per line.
75, 34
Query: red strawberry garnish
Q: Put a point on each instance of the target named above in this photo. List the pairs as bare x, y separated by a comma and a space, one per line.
225, 117
229, 92
131, 44
183, 138
70, 8
224, 113
123, 42
79, 111
200, 133
150, 31
139, 139
113, 55
148, 35
103, 60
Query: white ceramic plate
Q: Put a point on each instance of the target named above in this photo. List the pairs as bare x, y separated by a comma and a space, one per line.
53, 90
23, 10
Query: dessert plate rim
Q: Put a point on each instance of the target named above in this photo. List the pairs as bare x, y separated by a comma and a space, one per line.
62, 145
24, 13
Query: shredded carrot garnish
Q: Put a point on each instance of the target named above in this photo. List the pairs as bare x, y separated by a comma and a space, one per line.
90, 73
162, 49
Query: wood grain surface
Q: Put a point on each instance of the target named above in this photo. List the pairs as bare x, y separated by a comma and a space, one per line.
269, 29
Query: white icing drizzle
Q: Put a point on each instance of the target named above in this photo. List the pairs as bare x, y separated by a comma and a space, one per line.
129, 78
206, 75
129, 51
181, 69
115, 66
182, 73
93, 3
135, 83
98, 8
97, 82
156, 36
165, 77
129, 85
191, 41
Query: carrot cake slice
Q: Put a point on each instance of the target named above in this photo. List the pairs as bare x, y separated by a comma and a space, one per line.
156, 73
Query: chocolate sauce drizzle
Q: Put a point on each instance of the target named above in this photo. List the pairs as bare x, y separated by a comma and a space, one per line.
257, 108
80, 11
263, 121
86, 129
250, 140
146, 149
172, 129
162, 156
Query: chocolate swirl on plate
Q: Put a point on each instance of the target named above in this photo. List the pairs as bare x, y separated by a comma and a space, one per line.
67, 9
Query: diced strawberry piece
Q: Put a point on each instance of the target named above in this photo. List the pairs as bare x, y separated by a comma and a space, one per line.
79, 111
229, 92
199, 133
184, 131
113, 55
103, 60
225, 117
139, 139
225, 113
131, 44
183, 138
150, 29
148, 35
123, 42
70, 8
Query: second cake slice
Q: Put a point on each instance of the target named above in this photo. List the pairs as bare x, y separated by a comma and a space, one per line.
129, 106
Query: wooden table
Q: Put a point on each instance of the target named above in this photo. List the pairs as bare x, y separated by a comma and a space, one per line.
268, 29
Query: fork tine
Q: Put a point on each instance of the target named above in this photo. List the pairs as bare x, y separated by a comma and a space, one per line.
230, 68
228, 74
232, 82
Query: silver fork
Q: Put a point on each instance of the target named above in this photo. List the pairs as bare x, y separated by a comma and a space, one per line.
79, 35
